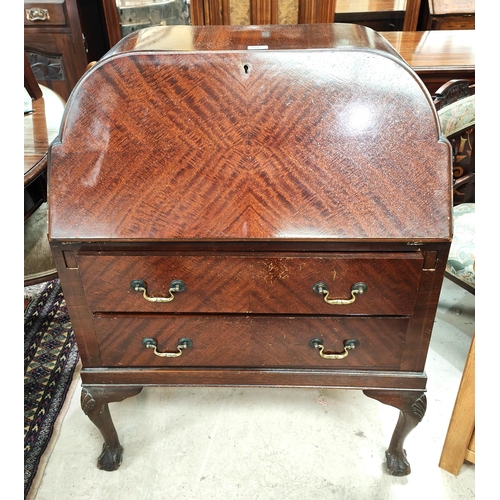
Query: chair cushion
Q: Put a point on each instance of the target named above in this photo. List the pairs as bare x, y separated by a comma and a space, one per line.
461, 259
458, 116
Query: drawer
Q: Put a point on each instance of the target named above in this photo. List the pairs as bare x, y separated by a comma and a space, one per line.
454, 22
465, 22
251, 341
270, 284
45, 14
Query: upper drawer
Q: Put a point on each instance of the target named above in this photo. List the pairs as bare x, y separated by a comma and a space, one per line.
257, 283
45, 14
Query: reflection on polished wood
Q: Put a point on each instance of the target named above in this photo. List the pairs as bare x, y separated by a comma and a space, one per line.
411, 9
345, 6
40, 129
210, 106
255, 12
437, 56
447, 15
434, 49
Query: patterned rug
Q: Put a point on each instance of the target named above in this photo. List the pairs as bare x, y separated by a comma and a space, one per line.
50, 359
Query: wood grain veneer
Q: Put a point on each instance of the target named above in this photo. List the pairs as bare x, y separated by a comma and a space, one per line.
251, 174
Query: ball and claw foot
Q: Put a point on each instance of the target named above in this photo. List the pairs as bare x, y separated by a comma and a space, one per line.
94, 401
110, 458
412, 406
397, 465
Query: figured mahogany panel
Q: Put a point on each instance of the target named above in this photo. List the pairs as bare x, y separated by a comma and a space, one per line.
251, 341
251, 144
253, 284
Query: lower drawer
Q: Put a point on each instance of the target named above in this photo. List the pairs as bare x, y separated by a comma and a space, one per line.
252, 341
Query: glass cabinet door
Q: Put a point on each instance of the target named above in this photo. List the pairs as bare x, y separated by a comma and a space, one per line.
137, 14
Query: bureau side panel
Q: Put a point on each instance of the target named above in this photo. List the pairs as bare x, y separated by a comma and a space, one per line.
422, 322
76, 302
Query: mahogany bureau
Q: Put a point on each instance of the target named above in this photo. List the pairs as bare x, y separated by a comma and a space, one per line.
251, 206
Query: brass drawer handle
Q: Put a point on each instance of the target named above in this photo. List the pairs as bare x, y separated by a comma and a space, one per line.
348, 346
37, 14
183, 343
175, 286
356, 289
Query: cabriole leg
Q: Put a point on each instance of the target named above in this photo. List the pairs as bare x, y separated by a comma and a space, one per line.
412, 406
94, 401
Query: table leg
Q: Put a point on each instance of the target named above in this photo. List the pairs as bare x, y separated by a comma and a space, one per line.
412, 406
94, 402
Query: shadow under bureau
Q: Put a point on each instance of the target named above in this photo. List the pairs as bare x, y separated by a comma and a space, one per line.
251, 206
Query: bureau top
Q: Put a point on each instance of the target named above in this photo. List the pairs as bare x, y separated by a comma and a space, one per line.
275, 37
304, 132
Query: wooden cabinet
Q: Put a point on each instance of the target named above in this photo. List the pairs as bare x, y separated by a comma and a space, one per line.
222, 213
447, 15
437, 56
55, 42
380, 15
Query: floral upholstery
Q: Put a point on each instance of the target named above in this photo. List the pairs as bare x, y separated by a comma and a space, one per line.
458, 125
461, 259
458, 116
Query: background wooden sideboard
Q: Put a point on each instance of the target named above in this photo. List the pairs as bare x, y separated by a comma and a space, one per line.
81, 31
380, 15
60, 38
447, 15
437, 56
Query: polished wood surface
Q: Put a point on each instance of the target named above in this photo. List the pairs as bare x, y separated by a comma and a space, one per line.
436, 50
30, 83
460, 442
444, 7
411, 15
217, 12
380, 15
234, 125
251, 174
41, 127
243, 339
447, 15
56, 45
265, 281
437, 56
